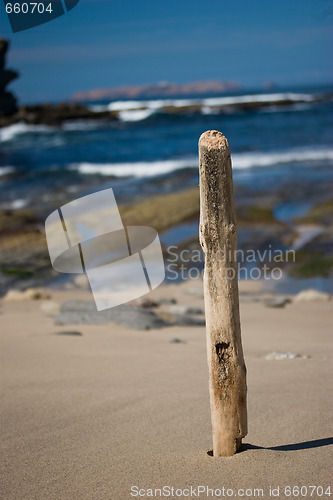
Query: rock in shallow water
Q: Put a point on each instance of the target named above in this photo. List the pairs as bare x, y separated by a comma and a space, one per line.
77, 312
279, 301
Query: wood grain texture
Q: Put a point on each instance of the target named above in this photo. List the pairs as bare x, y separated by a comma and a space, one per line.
218, 238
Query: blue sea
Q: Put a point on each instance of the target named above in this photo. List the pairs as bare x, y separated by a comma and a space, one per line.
150, 151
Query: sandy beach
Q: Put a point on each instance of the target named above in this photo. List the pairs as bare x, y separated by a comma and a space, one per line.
104, 412
184, 149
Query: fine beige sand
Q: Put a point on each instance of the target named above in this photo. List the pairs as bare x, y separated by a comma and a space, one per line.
86, 417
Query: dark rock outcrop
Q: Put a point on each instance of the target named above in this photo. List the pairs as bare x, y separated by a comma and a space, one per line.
46, 114
55, 114
8, 104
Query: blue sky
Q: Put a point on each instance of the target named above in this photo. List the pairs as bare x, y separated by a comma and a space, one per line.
105, 43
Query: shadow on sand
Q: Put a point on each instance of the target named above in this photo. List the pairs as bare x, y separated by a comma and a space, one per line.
305, 445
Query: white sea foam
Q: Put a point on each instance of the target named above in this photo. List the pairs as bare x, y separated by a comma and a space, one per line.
239, 161
208, 105
5, 170
10, 132
151, 104
16, 204
140, 110
125, 105
137, 169
181, 103
287, 96
136, 110
135, 115
302, 155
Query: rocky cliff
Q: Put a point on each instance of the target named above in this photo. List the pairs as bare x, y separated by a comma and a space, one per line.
7, 100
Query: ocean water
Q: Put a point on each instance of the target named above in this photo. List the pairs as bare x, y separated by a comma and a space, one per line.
152, 148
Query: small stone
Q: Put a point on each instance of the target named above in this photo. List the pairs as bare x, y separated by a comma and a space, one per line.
311, 295
145, 302
278, 302
176, 341
278, 356
72, 333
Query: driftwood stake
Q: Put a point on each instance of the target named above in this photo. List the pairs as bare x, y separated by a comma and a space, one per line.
227, 372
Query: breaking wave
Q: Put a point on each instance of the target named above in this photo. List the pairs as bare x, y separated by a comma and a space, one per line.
239, 161
10, 132
135, 110
5, 170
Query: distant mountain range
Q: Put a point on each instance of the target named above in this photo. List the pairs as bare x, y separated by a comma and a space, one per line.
163, 89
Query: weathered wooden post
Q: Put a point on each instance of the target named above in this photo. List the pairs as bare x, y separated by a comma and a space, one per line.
227, 372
